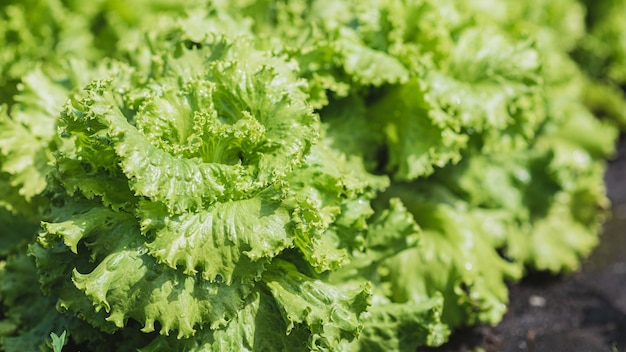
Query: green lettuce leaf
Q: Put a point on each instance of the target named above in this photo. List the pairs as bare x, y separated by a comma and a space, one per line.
290, 311
402, 326
332, 313
457, 256
125, 282
390, 323
229, 240
332, 193
269, 333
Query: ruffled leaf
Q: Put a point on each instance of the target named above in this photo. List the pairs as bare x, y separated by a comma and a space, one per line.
24, 158
228, 242
402, 326
459, 244
331, 313
416, 142
258, 326
124, 282
324, 190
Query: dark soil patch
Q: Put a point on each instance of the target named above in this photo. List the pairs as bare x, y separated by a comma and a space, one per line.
581, 312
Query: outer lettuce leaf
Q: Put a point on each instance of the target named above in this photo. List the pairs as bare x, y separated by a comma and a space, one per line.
456, 257
291, 311
402, 326
229, 240
258, 326
389, 232
30, 316
331, 313
127, 283
331, 192
389, 323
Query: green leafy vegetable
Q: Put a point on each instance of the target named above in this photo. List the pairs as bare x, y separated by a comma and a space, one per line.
294, 175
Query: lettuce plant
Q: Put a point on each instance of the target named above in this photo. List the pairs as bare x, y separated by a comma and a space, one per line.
291, 175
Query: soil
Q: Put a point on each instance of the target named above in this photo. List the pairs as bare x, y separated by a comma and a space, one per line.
580, 312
